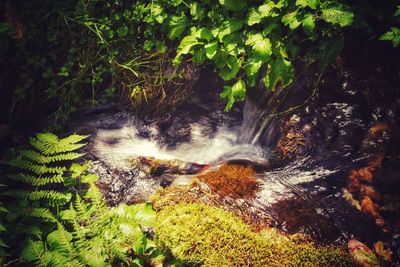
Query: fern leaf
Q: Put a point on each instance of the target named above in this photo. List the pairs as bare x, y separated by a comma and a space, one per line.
81, 208
61, 240
33, 251
44, 214
35, 168
43, 142
118, 252
37, 181
45, 159
52, 196
49, 144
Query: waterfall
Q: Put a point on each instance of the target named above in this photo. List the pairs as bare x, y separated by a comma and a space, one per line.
258, 112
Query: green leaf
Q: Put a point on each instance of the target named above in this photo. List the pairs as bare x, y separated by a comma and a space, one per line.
253, 17
90, 178
234, 5
392, 35
220, 59
262, 49
229, 26
5, 27
253, 38
279, 70
397, 13
266, 9
269, 28
199, 55
123, 31
336, 13
231, 68
144, 214
148, 45
252, 68
186, 45
291, 20
309, 23
176, 26
33, 251
307, 3
201, 33
211, 49
234, 93
197, 11
161, 47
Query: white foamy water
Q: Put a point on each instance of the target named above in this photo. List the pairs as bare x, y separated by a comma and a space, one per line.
116, 146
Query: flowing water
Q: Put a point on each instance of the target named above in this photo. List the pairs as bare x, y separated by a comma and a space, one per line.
301, 188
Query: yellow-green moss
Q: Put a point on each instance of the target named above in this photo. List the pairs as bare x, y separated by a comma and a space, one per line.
204, 235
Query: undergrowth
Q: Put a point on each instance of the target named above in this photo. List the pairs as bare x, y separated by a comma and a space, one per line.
58, 217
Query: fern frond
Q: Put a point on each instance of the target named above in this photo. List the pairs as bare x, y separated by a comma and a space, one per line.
95, 196
37, 181
33, 251
81, 209
118, 252
28, 165
45, 159
43, 142
50, 144
44, 214
52, 196
61, 240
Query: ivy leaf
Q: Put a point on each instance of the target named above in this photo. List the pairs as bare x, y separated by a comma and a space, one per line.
220, 59
161, 47
176, 26
309, 23
234, 5
266, 9
186, 44
253, 17
197, 11
251, 69
336, 13
397, 13
307, 3
232, 67
269, 28
234, 93
279, 70
262, 50
199, 55
392, 35
291, 20
211, 49
229, 26
201, 33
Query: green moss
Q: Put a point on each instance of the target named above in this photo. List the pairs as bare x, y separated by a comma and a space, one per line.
204, 235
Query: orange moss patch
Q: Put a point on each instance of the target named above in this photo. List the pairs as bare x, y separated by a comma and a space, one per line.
233, 181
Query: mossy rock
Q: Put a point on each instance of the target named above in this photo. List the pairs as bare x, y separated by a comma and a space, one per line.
203, 235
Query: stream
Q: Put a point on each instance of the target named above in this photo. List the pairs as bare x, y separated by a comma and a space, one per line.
303, 156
